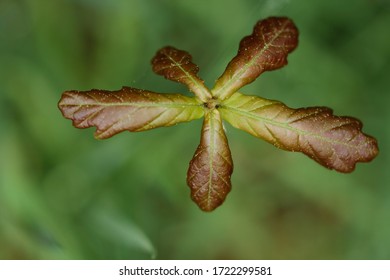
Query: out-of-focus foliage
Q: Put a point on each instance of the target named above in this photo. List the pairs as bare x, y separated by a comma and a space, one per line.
65, 195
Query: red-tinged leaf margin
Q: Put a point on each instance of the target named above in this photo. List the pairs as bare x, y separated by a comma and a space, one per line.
176, 65
211, 166
264, 50
129, 109
334, 142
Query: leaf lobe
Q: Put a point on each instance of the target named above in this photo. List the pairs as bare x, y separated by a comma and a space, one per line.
264, 50
211, 166
129, 109
334, 142
176, 65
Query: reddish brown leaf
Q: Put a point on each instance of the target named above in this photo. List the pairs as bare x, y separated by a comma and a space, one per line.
335, 142
176, 65
211, 167
127, 109
265, 49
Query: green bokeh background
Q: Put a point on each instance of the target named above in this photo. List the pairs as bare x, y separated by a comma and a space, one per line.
65, 195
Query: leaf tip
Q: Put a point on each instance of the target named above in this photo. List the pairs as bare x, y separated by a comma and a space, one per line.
211, 167
176, 65
266, 49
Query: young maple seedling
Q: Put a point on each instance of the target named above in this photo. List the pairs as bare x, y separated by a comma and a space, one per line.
334, 142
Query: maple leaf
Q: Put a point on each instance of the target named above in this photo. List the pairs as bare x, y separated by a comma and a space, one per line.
335, 142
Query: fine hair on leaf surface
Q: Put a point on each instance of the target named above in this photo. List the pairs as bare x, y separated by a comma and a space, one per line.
335, 142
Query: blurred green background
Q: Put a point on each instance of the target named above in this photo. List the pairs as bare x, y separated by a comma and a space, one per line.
65, 195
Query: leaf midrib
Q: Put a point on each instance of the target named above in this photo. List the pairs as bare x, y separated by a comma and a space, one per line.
168, 105
284, 125
247, 65
211, 157
203, 94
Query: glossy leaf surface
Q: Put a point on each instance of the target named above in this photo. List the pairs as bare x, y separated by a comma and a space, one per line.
211, 167
177, 65
127, 109
265, 49
335, 142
